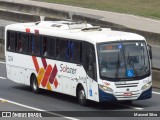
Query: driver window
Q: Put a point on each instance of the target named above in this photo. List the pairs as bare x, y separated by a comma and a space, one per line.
89, 60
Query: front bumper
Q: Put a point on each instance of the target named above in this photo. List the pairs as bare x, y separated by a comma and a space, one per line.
146, 94
107, 97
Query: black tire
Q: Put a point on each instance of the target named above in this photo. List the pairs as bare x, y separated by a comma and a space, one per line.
81, 95
34, 84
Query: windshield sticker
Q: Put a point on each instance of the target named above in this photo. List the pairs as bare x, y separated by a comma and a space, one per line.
120, 46
109, 47
130, 73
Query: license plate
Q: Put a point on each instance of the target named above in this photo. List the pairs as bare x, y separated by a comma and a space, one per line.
127, 94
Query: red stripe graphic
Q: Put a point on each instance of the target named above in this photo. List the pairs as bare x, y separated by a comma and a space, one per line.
27, 30
46, 75
44, 63
35, 63
36, 31
53, 74
56, 83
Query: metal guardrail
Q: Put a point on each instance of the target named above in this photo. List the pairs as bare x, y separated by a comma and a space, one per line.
2, 35
1, 42
1, 51
156, 56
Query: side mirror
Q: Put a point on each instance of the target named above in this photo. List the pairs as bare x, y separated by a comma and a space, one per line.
150, 51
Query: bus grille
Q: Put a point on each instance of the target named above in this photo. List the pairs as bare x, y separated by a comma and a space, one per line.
123, 93
124, 85
134, 94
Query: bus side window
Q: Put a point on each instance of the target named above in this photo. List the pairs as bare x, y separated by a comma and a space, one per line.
77, 51
35, 41
37, 44
19, 42
61, 49
31, 44
44, 51
13, 41
73, 51
8, 40
25, 42
48, 47
69, 50
51, 46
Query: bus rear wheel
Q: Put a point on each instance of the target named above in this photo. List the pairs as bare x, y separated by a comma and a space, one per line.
82, 96
34, 84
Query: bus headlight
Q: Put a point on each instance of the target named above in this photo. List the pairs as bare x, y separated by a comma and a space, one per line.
146, 86
106, 89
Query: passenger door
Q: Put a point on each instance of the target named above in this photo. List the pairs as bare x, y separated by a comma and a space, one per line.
89, 63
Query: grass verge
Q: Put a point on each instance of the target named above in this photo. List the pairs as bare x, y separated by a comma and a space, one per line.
147, 8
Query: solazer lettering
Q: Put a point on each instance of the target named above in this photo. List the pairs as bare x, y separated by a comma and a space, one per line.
65, 68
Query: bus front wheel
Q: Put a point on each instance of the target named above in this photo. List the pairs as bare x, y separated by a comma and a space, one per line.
34, 84
82, 96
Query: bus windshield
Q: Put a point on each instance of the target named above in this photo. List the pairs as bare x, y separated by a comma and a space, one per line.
123, 60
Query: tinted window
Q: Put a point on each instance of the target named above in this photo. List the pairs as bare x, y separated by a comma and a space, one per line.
48, 47
8, 40
35, 41
77, 51
73, 52
19, 42
61, 49
25, 42
12, 41
89, 60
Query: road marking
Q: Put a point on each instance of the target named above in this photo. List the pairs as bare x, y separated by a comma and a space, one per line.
2, 62
136, 108
156, 93
37, 109
3, 78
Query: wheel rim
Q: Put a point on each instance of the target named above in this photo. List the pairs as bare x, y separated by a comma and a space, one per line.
34, 85
82, 95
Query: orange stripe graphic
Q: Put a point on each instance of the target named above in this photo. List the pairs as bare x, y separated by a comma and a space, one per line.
40, 75
49, 87
35, 63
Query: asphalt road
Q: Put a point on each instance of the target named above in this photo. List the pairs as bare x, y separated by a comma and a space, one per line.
19, 97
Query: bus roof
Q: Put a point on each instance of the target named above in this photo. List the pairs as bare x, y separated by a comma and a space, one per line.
75, 30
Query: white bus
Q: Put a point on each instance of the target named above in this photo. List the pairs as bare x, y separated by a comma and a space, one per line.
78, 59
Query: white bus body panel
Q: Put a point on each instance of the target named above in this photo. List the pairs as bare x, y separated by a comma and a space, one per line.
69, 75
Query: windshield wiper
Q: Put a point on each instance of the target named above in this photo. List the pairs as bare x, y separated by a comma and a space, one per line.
132, 66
